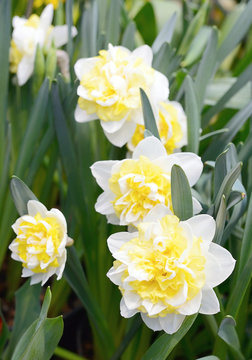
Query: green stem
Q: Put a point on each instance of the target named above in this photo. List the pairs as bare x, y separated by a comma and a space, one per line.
66, 354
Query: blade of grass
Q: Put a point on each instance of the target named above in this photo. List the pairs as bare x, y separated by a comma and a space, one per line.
193, 117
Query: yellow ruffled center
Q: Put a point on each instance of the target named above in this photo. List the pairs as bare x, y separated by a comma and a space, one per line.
168, 259
112, 85
38, 243
169, 129
138, 186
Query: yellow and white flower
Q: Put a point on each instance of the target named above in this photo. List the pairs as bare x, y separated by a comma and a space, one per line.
172, 127
55, 3
109, 89
168, 269
133, 187
27, 35
41, 242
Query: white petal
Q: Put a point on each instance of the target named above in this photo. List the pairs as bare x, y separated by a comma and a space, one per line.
152, 323
132, 300
150, 147
18, 21
226, 264
57, 214
209, 303
60, 35
35, 207
47, 275
192, 306
112, 126
190, 163
123, 135
171, 322
25, 69
61, 268
125, 312
115, 274
202, 226
15, 226
113, 219
103, 204
102, 171
143, 52
27, 272
157, 212
46, 16
180, 297
36, 278
196, 206
83, 66
81, 115
160, 88
117, 240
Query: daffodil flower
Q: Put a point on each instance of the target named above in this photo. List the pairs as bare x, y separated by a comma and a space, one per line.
27, 35
109, 89
133, 187
167, 269
172, 127
55, 3
41, 242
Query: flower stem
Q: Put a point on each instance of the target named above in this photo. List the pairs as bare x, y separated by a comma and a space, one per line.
67, 355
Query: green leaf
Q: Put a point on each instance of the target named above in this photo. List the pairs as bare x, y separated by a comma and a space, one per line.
227, 184
69, 21
21, 194
128, 39
246, 150
246, 247
113, 22
75, 276
4, 332
228, 334
234, 198
193, 28
220, 171
207, 67
165, 35
5, 26
235, 35
197, 46
45, 306
193, 115
165, 60
147, 133
32, 133
238, 84
146, 16
164, 345
220, 221
39, 71
136, 323
27, 311
181, 194
234, 125
213, 133
39, 342
240, 288
149, 119
89, 31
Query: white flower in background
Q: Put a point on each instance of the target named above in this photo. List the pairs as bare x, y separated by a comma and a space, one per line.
40, 242
133, 187
27, 35
172, 127
110, 89
168, 269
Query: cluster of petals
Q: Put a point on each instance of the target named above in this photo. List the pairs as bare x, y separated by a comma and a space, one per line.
30, 33
133, 187
110, 89
172, 127
41, 242
167, 269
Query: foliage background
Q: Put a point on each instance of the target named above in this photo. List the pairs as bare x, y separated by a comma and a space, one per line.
205, 51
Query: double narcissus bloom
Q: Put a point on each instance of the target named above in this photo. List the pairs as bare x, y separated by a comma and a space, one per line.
30, 33
172, 127
168, 269
110, 89
133, 187
41, 242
